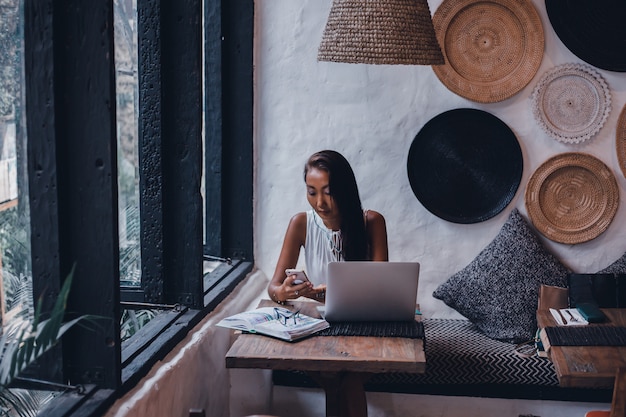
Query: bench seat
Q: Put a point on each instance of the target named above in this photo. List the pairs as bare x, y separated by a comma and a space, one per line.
462, 361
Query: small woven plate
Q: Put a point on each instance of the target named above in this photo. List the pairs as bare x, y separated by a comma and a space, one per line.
571, 102
492, 48
620, 140
572, 198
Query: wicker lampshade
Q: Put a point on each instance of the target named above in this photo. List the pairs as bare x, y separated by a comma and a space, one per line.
380, 32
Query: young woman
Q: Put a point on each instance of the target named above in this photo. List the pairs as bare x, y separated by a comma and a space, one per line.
336, 229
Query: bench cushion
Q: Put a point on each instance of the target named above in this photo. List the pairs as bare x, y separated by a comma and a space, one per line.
458, 353
460, 360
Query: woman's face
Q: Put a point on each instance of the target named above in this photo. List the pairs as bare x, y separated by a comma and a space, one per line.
318, 195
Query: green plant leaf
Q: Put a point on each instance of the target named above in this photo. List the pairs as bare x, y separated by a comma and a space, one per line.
25, 341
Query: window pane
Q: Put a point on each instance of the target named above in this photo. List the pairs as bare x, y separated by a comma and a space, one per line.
15, 253
127, 140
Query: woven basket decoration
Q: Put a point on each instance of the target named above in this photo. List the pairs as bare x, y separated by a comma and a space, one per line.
493, 48
620, 140
571, 102
380, 32
572, 198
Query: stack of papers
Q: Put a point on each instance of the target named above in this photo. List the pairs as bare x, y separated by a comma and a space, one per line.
568, 317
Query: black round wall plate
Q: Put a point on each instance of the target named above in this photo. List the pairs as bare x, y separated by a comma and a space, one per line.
594, 31
465, 165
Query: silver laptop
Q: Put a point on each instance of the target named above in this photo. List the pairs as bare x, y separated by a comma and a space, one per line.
371, 291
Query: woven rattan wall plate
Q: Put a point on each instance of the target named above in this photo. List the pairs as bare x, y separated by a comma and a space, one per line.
571, 102
492, 48
572, 198
620, 140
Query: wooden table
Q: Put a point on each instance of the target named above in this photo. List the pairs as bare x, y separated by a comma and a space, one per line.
340, 364
587, 366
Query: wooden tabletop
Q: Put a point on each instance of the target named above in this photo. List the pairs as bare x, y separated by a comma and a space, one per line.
327, 353
587, 366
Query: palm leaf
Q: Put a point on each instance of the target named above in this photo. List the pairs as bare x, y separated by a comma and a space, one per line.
22, 403
25, 341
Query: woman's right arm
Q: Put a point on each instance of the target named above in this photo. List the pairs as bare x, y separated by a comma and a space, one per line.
294, 239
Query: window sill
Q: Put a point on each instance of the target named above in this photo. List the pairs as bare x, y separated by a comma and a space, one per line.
150, 345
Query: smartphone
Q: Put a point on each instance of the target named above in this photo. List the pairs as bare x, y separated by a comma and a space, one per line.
300, 275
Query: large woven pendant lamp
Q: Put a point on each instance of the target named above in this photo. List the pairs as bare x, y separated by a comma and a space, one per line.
380, 32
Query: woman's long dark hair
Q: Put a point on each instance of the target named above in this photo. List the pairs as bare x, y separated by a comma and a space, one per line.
345, 193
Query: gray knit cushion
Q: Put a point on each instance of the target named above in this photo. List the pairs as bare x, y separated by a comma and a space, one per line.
498, 290
617, 267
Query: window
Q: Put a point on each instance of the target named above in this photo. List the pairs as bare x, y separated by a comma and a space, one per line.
15, 262
127, 110
131, 220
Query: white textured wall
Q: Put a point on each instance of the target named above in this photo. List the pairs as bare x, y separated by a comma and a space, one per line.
371, 114
194, 374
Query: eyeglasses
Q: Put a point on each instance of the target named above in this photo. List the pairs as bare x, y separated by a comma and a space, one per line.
283, 316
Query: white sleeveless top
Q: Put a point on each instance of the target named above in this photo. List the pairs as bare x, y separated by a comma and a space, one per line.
322, 246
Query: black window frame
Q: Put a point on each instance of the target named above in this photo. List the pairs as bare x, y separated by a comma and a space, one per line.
70, 116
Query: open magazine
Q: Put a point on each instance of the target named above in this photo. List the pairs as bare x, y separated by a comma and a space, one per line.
275, 321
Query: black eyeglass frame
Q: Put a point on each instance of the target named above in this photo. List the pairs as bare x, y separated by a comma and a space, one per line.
283, 317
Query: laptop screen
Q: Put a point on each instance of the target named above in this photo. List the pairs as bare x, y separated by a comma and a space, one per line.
371, 291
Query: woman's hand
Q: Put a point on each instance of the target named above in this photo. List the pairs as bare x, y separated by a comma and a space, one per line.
318, 293
289, 290
281, 288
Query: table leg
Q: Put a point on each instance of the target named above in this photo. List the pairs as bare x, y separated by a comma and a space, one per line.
345, 393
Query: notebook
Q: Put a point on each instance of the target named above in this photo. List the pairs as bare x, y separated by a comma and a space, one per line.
371, 291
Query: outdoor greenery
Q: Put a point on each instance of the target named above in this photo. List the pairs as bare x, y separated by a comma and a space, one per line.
133, 320
27, 336
126, 85
24, 340
9, 57
15, 257
23, 403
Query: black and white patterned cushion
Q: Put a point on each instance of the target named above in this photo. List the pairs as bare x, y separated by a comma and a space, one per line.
498, 290
462, 361
457, 353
